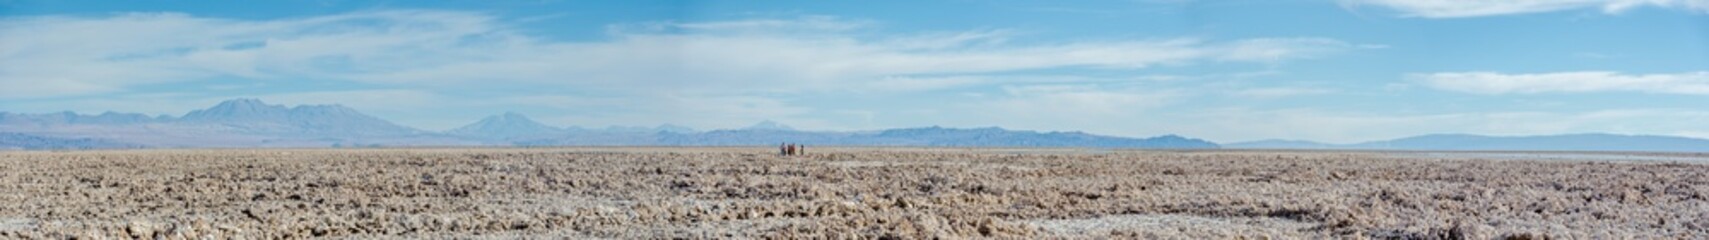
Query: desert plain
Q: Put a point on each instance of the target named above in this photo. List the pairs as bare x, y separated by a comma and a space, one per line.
844, 193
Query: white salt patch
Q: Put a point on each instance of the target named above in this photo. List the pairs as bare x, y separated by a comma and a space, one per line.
1172, 222
17, 224
863, 164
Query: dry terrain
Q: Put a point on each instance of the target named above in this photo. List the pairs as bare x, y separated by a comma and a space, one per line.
883, 193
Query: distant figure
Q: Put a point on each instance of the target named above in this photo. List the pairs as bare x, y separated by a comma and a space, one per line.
791, 149
801, 150
782, 149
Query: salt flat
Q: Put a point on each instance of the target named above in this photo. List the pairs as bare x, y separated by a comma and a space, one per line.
645, 192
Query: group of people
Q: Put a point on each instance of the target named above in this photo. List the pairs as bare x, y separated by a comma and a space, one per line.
790, 149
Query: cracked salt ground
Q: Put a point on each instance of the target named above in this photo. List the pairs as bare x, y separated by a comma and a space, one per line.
917, 193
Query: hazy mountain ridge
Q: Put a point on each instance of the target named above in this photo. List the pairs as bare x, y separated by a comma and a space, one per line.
231, 123
928, 136
19, 141
1470, 142
512, 127
336, 120
506, 126
770, 133
66, 118
253, 123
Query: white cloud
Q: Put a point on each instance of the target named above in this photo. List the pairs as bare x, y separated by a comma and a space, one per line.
1696, 83
437, 69
66, 56
57, 56
1277, 49
1479, 8
1239, 124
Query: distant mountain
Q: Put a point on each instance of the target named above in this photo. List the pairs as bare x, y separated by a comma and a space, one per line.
239, 110
330, 120
71, 118
929, 136
19, 141
232, 123
1468, 142
1569, 142
515, 128
1279, 144
509, 125
253, 123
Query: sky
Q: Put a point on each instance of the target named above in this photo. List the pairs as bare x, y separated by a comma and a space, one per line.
1230, 70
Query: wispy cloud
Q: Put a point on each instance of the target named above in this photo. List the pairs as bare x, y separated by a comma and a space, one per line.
415, 65
1242, 124
1278, 49
73, 56
1480, 8
53, 56
1696, 83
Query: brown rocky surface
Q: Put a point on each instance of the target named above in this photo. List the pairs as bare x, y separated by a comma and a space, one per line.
907, 193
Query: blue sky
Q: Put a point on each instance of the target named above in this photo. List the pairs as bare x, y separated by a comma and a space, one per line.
1333, 71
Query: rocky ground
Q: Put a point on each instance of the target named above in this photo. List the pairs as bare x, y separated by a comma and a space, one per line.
885, 193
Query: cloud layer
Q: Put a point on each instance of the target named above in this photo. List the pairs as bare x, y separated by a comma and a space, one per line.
703, 73
1480, 8
1240, 124
1696, 83
97, 55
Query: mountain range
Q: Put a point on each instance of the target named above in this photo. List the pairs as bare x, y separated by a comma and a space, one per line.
253, 123
1469, 142
16, 141
232, 123
512, 126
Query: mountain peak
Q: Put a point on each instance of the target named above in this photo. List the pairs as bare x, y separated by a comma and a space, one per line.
242, 102
257, 116
506, 125
241, 109
769, 125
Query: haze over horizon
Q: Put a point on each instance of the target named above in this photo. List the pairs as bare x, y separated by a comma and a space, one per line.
1227, 71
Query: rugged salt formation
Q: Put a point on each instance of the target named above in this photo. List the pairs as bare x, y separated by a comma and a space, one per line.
840, 193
